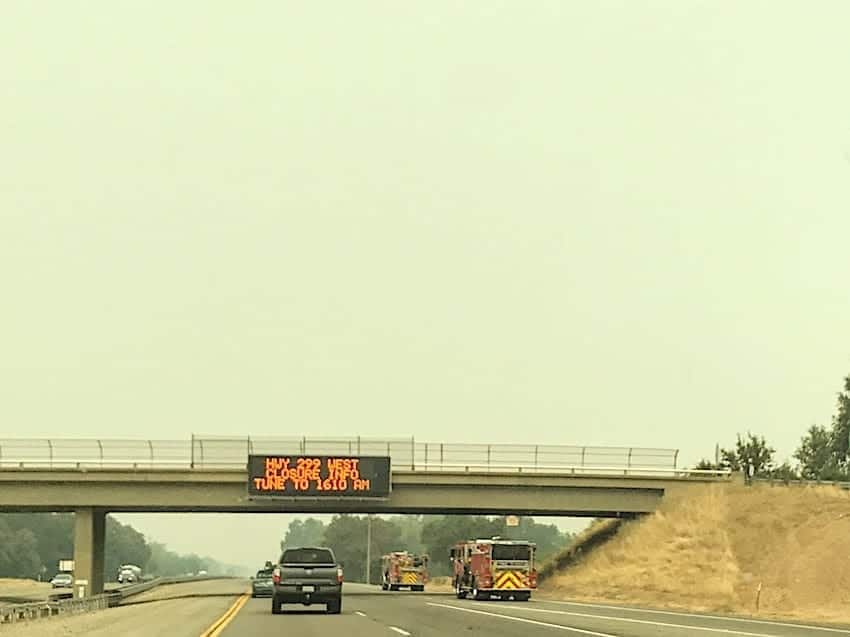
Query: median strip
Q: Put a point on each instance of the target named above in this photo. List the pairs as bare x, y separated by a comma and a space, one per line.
222, 622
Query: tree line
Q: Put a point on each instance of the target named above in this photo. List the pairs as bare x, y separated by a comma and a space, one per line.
31, 545
431, 535
823, 453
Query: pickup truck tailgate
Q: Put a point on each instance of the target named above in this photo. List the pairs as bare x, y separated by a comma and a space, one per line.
313, 574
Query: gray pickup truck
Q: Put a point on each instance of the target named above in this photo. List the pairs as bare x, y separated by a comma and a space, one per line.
307, 575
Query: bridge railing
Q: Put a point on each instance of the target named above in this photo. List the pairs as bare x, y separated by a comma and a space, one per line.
407, 454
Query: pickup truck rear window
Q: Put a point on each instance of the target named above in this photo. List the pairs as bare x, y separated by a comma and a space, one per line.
306, 556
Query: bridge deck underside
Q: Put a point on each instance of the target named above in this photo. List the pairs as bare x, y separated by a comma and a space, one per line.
412, 493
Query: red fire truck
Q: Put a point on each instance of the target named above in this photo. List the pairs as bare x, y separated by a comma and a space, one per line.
401, 569
494, 568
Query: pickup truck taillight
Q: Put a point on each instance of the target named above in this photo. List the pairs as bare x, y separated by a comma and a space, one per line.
339, 575
276, 576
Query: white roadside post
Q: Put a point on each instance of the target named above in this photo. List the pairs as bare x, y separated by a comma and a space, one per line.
368, 548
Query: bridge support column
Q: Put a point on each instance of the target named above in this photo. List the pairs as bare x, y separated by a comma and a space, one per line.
89, 550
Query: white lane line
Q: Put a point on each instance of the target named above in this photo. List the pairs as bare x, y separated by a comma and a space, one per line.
400, 631
357, 612
672, 613
524, 620
630, 620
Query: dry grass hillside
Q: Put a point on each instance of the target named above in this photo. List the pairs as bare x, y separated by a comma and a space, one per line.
598, 533
709, 550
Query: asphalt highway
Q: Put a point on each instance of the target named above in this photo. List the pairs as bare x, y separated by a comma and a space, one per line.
370, 612
223, 609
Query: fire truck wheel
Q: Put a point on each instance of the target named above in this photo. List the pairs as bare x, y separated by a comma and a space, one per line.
419, 588
393, 587
384, 586
459, 592
476, 594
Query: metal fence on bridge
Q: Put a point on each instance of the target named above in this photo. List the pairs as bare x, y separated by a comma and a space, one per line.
407, 454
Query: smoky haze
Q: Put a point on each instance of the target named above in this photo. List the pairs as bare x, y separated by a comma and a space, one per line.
602, 223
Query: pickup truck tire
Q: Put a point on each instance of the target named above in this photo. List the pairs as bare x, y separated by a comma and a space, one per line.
277, 606
334, 607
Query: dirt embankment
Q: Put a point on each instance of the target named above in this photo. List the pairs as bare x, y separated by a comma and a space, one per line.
709, 550
22, 590
439, 585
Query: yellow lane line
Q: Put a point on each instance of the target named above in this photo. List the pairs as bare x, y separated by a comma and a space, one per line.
229, 615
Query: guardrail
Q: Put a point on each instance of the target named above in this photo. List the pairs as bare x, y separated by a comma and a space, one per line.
39, 610
594, 470
407, 454
29, 611
135, 589
803, 483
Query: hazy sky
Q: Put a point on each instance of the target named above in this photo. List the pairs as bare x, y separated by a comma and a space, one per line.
562, 222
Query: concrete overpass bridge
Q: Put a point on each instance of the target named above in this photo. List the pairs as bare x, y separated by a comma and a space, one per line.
206, 474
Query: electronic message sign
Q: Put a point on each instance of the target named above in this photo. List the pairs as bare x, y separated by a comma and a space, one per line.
319, 476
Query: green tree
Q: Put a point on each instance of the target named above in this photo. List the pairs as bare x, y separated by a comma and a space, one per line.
817, 457
166, 563
749, 451
411, 532
440, 533
18, 552
307, 532
124, 545
706, 465
32, 541
841, 428
53, 533
346, 535
784, 472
